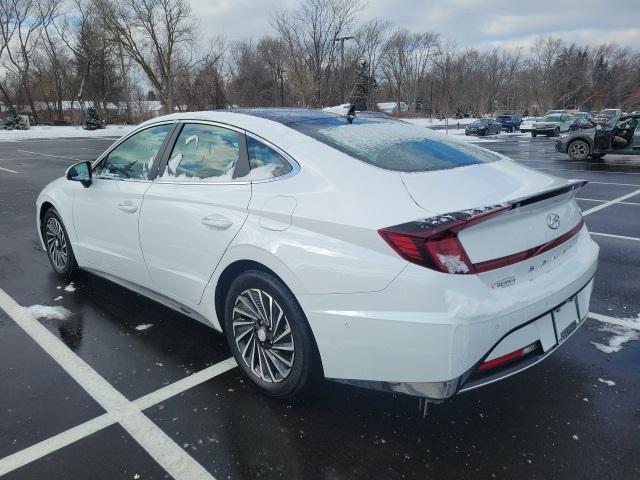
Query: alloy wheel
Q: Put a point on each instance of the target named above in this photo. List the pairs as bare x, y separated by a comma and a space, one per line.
578, 150
56, 243
263, 335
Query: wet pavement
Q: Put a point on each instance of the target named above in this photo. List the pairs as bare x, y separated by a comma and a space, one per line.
560, 419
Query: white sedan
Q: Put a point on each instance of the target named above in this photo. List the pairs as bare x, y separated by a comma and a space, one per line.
365, 250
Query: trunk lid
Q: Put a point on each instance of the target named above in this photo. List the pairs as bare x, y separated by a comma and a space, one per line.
543, 219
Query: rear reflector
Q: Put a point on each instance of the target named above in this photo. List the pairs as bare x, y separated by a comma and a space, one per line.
509, 357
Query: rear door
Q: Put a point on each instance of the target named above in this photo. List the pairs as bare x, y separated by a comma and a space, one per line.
106, 214
194, 208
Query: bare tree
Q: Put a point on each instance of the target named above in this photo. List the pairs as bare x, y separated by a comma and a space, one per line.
154, 33
310, 32
22, 23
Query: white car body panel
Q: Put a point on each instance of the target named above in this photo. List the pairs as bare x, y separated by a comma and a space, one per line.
100, 244
184, 231
375, 316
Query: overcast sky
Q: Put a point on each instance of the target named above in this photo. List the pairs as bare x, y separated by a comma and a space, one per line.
481, 23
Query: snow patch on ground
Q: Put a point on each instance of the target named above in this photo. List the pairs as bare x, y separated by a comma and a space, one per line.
144, 326
608, 383
46, 131
70, 288
59, 297
623, 330
52, 313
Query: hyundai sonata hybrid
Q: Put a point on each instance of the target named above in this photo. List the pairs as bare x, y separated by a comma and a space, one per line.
359, 248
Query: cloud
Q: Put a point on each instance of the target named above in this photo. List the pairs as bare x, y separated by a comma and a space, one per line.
483, 23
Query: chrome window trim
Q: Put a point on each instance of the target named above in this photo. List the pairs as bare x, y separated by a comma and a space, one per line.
113, 146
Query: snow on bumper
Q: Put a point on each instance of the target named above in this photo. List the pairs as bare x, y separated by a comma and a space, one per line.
427, 330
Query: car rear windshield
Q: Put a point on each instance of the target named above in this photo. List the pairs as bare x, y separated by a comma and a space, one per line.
393, 144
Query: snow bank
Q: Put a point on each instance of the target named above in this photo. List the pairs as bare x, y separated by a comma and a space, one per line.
45, 131
434, 122
53, 313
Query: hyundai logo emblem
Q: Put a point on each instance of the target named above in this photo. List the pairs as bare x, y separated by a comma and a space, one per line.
553, 220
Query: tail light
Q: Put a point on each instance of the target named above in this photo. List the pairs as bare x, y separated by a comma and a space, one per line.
434, 242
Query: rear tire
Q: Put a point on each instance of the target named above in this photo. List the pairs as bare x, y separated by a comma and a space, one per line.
534, 134
269, 335
58, 246
578, 150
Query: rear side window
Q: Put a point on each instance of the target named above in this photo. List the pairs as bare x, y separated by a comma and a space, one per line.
203, 153
265, 162
133, 158
394, 145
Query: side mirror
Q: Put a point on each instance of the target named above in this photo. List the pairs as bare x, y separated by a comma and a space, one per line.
80, 172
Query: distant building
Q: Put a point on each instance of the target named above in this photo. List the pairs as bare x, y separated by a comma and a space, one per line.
392, 107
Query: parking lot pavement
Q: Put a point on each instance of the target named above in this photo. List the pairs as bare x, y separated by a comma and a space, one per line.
125, 388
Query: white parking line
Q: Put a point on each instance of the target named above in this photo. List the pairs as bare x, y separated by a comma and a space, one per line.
610, 235
178, 463
603, 201
620, 322
585, 171
50, 445
617, 184
609, 203
52, 156
7, 170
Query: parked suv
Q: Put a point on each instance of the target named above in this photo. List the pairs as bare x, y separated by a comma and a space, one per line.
509, 122
552, 125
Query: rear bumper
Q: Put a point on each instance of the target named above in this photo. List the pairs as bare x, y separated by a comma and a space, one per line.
416, 337
543, 330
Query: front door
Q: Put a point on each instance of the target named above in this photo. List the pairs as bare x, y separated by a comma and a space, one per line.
106, 214
194, 209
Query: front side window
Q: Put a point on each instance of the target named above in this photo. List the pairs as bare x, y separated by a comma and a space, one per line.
264, 161
203, 153
134, 157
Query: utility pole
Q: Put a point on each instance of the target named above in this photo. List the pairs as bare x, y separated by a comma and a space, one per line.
342, 78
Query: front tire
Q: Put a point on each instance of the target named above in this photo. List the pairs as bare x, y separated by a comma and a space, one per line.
58, 246
269, 335
578, 150
534, 134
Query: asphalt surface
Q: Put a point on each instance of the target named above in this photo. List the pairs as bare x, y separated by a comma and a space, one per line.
563, 418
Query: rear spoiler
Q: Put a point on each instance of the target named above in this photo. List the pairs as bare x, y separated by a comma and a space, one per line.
465, 218
539, 197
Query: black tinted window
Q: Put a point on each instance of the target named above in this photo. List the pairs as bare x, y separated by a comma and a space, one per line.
203, 153
134, 157
394, 145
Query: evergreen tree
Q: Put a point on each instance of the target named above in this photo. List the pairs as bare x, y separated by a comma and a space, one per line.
92, 122
360, 90
13, 121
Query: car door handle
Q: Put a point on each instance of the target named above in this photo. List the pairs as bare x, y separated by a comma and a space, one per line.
128, 207
218, 222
